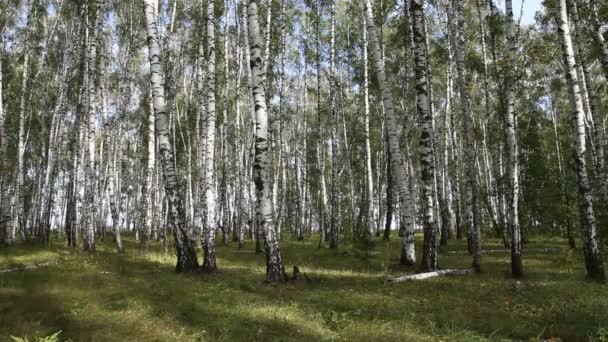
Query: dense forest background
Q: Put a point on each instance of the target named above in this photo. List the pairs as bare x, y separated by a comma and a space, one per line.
194, 121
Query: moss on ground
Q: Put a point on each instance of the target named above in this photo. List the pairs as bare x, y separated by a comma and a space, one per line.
131, 297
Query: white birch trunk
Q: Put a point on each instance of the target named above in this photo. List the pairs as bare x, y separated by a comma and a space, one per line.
591, 249
429, 253
334, 228
512, 147
209, 216
408, 256
186, 255
470, 150
275, 270
368, 150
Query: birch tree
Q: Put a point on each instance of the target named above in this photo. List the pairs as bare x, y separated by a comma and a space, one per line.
593, 256
4, 161
209, 219
594, 107
275, 271
91, 132
512, 146
366, 127
470, 148
408, 256
186, 255
19, 214
335, 182
429, 224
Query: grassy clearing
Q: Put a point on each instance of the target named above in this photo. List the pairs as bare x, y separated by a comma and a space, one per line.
107, 297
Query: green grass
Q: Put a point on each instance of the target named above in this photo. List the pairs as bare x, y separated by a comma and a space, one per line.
109, 297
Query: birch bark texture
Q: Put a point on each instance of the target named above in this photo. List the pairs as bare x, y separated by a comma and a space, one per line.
334, 229
512, 147
427, 158
593, 256
470, 149
275, 271
186, 254
408, 256
368, 149
209, 219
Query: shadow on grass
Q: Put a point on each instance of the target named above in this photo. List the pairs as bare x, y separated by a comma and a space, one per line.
107, 297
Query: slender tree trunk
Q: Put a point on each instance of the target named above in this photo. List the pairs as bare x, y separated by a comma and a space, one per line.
89, 194
186, 255
209, 221
4, 176
512, 148
389, 197
470, 154
148, 170
275, 271
320, 144
334, 228
112, 191
593, 256
429, 253
19, 215
408, 256
368, 149
594, 108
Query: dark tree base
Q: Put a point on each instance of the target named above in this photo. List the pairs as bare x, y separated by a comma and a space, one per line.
595, 268
517, 268
186, 260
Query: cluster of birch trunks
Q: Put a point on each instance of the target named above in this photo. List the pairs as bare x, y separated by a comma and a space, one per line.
186, 121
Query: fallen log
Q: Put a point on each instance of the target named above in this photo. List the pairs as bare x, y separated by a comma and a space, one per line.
29, 267
421, 276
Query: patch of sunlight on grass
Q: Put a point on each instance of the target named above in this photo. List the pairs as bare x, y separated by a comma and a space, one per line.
291, 314
27, 254
378, 330
135, 297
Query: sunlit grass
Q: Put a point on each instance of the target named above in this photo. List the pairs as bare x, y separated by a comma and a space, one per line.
135, 297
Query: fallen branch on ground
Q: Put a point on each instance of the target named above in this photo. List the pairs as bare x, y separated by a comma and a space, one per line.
29, 267
531, 250
420, 276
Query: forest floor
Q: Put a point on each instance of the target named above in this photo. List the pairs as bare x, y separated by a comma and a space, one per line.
131, 297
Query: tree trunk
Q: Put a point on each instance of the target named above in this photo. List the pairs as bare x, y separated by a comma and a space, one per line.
512, 148
209, 216
186, 255
4, 193
429, 253
19, 191
334, 228
470, 150
594, 108
320, 145
408, 256
275, 271
148, 170
593, 256
389, 198
90, 208
368, 149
